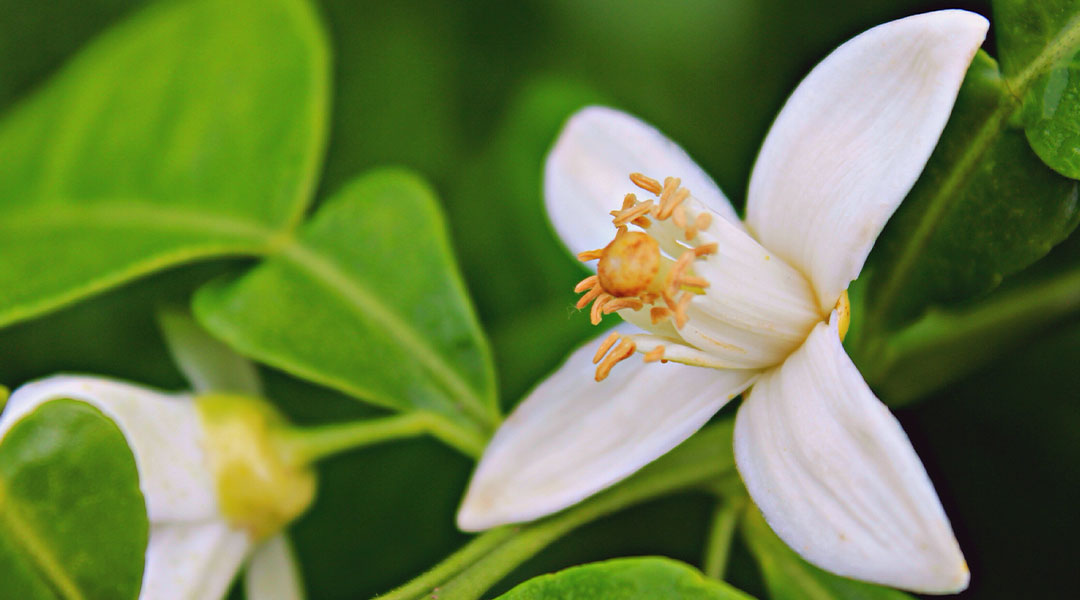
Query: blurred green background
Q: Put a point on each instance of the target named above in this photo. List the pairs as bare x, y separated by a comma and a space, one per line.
471, 94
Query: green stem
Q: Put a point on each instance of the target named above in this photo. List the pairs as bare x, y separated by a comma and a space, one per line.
452, 565
307, 445
703, 459
721, 533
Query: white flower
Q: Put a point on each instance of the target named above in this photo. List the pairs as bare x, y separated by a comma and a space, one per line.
759, 303
202, 528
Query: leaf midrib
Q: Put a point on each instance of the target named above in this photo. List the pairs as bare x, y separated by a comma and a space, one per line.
40, 556
369, 306
1065, 43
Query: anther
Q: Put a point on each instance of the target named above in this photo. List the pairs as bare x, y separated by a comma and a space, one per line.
586, 284
621, 303
588, 255
596, 313
629, 214
655, 354
589, 297
658, 313
606, 345
620, 353
646, 183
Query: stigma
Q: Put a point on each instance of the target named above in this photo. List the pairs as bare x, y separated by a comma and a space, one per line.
633, 273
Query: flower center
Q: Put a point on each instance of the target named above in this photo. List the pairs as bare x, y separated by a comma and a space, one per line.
632, 272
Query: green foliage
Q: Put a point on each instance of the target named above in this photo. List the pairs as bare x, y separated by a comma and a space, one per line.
1039, 42
72, 519
194, 129
367, 300
789, 577
626, 579
984, 208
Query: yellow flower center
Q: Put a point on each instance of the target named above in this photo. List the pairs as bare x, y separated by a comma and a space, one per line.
261, 489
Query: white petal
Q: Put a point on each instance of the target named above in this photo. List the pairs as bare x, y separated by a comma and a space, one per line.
837, 478
164, 431
192, 561
757, 309
572, 437
852, 140
274, 573
208, 364
587, 174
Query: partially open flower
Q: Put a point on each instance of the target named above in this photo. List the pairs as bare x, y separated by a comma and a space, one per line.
759, 303
215, 483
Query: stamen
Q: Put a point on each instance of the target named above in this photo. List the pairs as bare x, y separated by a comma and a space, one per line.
621, 303
678, 216
605, 345
702, 221
680, 310
588, 255
620, 353
642, 222
586, 284
706, 249
628, 214
658, 313
675, 199
693, 282
646, 183
655, 354
596, 314
589, 297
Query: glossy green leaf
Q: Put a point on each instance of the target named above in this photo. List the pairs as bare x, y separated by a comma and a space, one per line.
72, 519
985, 207
1039, 41
626, 579
193, 129
368, 300
789, 577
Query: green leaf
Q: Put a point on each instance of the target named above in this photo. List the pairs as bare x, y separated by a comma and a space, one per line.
193, 129
1038, 40
789, 577
72, 519
626, 579
367, 300
984, 208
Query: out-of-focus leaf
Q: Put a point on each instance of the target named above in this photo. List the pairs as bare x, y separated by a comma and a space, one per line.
512, 259
984, 208
946, 345
72, 519
193, 129
1039, 42
366, 299
626, 579
789, 577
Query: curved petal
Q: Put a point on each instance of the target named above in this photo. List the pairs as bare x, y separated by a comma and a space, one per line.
837, 478
572, 436
852, 140
274, 573
192, 561
164, 431
587, 174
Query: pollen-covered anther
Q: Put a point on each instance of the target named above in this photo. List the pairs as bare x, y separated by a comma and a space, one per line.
646, 183
632, 213
606, 345
658, 313
621, 352
654, 355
